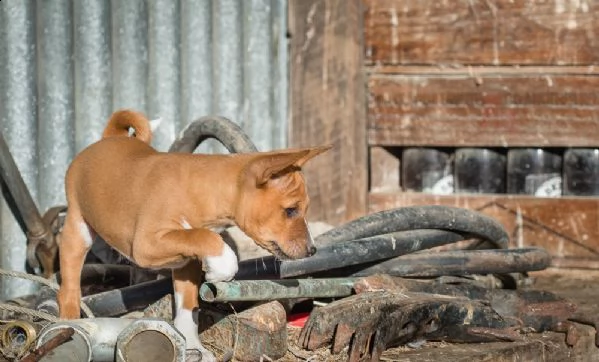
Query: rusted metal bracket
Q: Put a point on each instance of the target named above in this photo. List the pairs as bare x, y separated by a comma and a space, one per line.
42, 250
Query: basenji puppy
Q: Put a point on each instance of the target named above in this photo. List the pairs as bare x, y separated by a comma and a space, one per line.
166, 210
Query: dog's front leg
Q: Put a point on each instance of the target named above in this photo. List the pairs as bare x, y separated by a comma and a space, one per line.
220, 263
185, 283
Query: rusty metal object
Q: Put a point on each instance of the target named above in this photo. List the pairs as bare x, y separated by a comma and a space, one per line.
253, 333
150, 340
61, 337
17, 336
461, 262
23, 207
250, 290
372, 321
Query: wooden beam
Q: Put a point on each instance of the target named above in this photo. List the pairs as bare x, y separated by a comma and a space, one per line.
328, 104
568, 228
480, 110
477, 71
486, 32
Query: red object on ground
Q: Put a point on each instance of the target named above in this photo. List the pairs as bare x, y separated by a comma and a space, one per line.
298, 319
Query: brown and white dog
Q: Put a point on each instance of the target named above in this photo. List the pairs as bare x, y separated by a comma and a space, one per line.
165, 210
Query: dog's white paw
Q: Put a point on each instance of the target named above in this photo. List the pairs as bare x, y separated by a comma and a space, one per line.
221, 268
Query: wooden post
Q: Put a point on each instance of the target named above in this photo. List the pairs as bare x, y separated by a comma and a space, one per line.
328, 104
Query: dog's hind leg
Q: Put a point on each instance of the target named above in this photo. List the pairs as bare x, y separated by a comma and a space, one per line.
75, 241
185, 283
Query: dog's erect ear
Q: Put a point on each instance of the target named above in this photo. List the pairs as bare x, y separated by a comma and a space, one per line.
271, 164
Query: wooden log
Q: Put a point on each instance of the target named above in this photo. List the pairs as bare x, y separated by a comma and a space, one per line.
496, 32
568, 228
328, 104
483, 110
369, 322
254, 334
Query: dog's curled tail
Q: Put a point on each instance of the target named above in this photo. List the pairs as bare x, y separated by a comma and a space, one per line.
120, 122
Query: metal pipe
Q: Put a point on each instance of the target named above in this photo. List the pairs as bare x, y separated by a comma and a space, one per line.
130, 54
344, 254
150, 340
120, 301
56, 108
18, 121
258, 116
17, 336
20, 200
196, 66
462, 262
164, 90
93, 70
249, 290
94, 339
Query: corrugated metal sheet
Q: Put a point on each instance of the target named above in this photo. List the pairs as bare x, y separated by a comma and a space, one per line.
65, 65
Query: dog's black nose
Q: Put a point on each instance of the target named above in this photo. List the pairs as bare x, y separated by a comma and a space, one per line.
311, 250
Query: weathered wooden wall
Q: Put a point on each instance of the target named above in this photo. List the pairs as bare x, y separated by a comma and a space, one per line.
328, 104
497, 32
504, 73
374, 76
502, 110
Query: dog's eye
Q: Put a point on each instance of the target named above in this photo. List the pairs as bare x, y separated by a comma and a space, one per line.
291, 212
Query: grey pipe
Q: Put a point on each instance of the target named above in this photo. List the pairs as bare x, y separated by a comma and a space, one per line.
249, 290
94, 339
150, 339
107, 339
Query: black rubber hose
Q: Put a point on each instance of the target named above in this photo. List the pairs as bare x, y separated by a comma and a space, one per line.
348, 253
461, 262
219, 128
120, 301
471, 223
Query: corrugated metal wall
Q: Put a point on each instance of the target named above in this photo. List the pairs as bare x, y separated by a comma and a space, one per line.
65, 65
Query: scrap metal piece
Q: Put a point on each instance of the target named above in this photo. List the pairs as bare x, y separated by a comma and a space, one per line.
370, 322
253, 333
250, 290
150, 340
